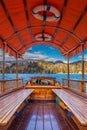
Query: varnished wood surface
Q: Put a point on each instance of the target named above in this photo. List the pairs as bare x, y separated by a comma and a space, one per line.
10, 103
43, 94
76, 103
43, 115
10, 91
43, 86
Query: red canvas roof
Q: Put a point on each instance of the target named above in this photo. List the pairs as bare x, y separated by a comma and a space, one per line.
18, 26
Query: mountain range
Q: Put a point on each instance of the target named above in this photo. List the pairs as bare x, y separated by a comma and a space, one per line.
43, 67
26, 60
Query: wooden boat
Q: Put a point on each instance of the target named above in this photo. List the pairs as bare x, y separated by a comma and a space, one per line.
43, 87
43, 81
43, 103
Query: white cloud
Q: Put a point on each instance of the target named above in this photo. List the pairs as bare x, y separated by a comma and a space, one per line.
65, 61
7, 57
51, 59
85, 56
35, 55
38, 56
27, 55
30, 56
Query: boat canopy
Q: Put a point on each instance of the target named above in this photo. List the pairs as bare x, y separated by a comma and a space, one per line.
61, 24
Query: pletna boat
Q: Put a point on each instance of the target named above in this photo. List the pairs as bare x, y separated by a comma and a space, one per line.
43, 103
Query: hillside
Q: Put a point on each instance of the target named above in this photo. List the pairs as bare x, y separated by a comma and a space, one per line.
44, 67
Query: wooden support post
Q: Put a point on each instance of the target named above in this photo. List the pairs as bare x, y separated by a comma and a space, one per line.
3, 69
82, 84
17, 69
23, 83
62, 82
54, 82
3, 63
68, 69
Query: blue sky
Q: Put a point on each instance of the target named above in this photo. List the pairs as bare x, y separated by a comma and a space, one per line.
53, 54
45, 53
78, 57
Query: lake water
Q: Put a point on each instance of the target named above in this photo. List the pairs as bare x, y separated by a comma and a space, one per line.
59, 77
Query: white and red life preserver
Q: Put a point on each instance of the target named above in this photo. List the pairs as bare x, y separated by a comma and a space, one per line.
40, 37
54, 17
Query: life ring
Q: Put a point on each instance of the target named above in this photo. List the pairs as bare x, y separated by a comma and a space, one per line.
45, 37
47, 8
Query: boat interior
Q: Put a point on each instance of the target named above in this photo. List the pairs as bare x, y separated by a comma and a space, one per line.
43, 103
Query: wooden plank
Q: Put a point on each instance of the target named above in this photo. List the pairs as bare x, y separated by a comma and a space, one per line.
6, 93
43, 86
18, 103
77, 104
10, 104
43, 94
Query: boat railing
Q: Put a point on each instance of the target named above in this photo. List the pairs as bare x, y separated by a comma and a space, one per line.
77, 85
6, 85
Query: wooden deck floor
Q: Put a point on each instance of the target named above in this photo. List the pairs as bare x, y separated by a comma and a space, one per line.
43, 115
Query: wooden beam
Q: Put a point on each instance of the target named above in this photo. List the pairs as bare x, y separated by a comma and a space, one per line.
44, 21
3, 69
68, 73
12, 24
49, 44
3, 63
75, 26
16, 66
82, 85
59, 46
27, 18
17, 69
70, 33
83, 42
13, 49
59, 22
83, 62
59, 28
72, 49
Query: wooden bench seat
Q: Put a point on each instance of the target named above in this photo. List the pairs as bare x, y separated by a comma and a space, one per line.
76, 103
10, 103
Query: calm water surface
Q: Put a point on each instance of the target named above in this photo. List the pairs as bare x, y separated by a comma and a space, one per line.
59, 77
